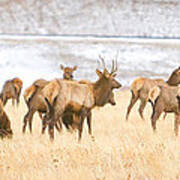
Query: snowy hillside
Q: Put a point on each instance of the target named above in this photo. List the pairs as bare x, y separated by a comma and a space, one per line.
103, 17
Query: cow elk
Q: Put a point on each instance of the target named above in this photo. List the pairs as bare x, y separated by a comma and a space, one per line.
141, 86
166, 99
11, 90
68, 72
35, 102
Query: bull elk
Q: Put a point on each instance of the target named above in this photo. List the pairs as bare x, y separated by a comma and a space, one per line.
11, 90
81, 95
141, 86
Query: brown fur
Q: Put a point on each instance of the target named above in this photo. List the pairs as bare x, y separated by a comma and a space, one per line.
174, 79
34, 102
11, 90
166, 101
5, 124
84, 95
140, 90
68, 72
141, 86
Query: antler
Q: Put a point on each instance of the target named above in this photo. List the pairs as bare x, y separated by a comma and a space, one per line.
103, 62
114, 66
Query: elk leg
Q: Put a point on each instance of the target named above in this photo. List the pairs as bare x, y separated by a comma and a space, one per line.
164, 117
53, 122
40, 115
51, 130
5, 100
18, 97
25, 122
28, 118
30, 121
134, 98
59, 128
141, 108
13, 102
89, 117
155, 116
176, 124
80, 126
44, 125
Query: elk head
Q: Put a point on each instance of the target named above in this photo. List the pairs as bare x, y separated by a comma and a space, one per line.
106, 83
17, 82
68, 72
174, 79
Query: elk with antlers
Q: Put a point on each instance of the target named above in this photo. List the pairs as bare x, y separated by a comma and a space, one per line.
83, 96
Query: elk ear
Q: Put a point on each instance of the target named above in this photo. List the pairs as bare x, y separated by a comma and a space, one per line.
74, 68
99, 73
61, 67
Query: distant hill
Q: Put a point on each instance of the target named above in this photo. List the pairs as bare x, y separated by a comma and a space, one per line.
103, 17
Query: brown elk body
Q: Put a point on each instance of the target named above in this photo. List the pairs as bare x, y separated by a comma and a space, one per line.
36, 103
83, 95
11, 90
165, 100
140, 89
5, 124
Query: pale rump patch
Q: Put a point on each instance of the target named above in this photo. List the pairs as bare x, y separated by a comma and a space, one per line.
28, 92
154, 93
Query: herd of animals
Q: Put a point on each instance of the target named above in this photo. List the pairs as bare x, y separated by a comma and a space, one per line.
69, 102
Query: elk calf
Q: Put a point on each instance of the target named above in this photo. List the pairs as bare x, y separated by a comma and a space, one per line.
165, 100
68, 72
5, 124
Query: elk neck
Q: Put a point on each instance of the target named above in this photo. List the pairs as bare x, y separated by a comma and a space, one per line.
102, 91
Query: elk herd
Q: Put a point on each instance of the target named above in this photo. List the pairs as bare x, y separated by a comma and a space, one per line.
69, 102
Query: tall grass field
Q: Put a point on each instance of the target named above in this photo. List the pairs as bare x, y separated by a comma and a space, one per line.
121, 150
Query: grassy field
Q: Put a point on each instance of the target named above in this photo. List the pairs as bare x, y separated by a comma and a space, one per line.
122, 150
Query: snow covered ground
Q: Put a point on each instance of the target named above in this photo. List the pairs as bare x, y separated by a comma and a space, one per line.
104, 17
33, 57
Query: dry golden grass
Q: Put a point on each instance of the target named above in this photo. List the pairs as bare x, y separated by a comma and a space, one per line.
122, 150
